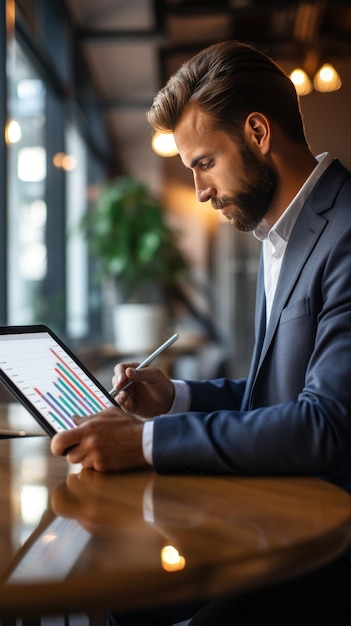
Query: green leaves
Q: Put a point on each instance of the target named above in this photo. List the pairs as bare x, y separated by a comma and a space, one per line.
129, 236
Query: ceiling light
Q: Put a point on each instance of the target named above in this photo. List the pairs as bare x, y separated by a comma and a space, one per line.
13, 132
163, 144
327, 79
303, 84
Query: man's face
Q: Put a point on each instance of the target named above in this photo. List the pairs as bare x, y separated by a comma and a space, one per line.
225, 170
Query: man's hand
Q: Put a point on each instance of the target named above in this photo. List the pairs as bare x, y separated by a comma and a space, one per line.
151, 394
108, 441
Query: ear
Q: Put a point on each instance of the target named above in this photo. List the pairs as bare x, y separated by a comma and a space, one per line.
257, 131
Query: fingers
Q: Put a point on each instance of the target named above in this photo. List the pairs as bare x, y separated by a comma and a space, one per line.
151, 394
108, 441
63, 441
121, 376
127, 372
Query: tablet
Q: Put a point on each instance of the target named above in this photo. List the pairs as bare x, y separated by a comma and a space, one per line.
47, 378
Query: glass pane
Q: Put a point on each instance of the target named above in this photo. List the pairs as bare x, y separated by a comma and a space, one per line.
77, 260
27, 177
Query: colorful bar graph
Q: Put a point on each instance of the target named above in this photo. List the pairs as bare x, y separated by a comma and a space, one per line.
75, 396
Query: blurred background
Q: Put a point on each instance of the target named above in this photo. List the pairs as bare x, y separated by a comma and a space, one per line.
76, 78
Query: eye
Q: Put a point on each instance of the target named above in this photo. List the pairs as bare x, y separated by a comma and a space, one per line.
206, 165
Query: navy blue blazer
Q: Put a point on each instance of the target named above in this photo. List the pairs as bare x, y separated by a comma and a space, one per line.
292, 415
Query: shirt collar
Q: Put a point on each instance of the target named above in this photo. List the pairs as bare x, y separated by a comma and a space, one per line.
281, 230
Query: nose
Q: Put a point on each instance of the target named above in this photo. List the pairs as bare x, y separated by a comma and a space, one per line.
203, 192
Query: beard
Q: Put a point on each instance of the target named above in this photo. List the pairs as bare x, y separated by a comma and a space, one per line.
248, 207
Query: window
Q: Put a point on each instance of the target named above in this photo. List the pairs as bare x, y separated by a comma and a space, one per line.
56, 155
27, 210
77, 267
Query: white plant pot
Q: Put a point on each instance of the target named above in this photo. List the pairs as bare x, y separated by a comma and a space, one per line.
138, 327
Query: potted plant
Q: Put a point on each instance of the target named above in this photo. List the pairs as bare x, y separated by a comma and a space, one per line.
129, 237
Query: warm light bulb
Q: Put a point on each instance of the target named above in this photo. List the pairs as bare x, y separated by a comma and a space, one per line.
301, 81
327, 79
163, 144
65, 161
171, 560
13, 132
69, 162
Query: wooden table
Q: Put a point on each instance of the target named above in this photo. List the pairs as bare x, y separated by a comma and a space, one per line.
231, 534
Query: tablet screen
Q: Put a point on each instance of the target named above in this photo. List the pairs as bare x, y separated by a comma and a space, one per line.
49, 379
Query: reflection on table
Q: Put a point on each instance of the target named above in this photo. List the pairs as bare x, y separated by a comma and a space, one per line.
78, 541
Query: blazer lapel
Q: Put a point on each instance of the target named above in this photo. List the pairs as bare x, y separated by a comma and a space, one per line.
306, 232
260, 329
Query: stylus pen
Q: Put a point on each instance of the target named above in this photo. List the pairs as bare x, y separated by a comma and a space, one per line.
114, 392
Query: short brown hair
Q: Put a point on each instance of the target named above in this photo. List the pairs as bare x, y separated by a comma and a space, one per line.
228, 81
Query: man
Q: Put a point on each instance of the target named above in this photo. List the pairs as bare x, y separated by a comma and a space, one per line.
237, 124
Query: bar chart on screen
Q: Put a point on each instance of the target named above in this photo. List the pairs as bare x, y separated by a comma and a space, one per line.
74, 397
50, 379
